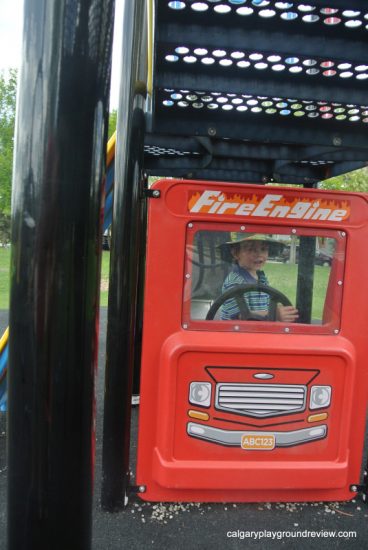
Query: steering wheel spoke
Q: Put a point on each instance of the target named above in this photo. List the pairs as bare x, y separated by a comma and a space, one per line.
272, 310
243, 306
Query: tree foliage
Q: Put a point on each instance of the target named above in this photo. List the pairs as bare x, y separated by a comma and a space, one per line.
8, 88
352, 181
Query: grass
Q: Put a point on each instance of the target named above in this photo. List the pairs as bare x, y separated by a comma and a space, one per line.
284, 278
105, 268
4, 277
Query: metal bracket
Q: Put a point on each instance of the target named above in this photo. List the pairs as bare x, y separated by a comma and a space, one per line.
136, 489
362, 489
152, 193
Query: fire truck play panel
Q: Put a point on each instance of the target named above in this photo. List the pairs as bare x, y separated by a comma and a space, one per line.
253, 410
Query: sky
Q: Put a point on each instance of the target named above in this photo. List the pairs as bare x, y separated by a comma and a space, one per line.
11, 18
11, 22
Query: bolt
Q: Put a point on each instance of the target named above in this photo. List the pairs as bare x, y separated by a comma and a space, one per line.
336, 140
342, 233
293, 230
185, 326
212, 131
336, 331
287, 329
190, 225
339, 283
354, 488
237, 327
142, 488
156, 193
242, 228
187, 275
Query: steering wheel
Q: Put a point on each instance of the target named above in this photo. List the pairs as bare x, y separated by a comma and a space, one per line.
245, 313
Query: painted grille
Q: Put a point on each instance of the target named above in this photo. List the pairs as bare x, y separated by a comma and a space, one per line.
260, 400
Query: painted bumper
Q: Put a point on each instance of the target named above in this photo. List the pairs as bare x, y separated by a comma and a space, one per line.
233, 438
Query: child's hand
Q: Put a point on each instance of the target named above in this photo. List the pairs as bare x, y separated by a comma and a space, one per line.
287, 314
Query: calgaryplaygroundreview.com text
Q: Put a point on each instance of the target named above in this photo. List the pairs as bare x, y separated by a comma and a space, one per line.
295, 534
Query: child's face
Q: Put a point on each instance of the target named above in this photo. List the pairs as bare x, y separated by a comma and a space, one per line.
251, 255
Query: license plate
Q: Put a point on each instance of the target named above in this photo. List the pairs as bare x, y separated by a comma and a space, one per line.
258, 441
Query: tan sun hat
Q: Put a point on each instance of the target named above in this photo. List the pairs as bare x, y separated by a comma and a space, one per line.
275, 246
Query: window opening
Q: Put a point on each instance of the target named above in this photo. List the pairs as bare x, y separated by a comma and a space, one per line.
246, 277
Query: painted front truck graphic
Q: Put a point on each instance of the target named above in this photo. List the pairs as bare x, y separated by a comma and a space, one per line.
271, 397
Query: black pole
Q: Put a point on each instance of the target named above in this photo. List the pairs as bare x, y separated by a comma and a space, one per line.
138, 333
60, 150
304, 288
124, 261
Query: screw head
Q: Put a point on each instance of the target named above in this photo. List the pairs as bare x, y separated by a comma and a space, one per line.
339, 283
190, 225
336, 140
156, 193
293, 231
212, 131
336, 331
237, 327
142, 488
286, 329
342, 233
185, 326
354, 488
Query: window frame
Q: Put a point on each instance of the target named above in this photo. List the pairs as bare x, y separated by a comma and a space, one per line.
332, 326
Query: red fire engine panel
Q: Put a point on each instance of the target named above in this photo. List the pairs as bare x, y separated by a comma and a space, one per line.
254, 379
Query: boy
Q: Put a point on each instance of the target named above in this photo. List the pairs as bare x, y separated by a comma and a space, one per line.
249, 253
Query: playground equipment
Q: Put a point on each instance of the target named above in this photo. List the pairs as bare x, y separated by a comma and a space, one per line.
251, 409
224, 97
3, 368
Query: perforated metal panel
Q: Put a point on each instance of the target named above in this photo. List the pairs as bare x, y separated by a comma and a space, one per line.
259, 90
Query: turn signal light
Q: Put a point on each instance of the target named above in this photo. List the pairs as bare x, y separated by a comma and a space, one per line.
317, 417
198, 415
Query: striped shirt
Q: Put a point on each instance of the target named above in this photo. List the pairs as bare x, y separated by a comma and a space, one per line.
256, 301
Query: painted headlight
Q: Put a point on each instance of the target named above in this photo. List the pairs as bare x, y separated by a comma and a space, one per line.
320, 397
200, 394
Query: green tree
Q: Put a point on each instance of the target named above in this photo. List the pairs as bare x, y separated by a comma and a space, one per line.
8, 87
352, 181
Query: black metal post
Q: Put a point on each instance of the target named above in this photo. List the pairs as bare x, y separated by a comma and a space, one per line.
138, 333
304, 289
60, 155
124, 262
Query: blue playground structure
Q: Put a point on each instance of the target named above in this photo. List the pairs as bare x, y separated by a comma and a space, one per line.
3, 368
